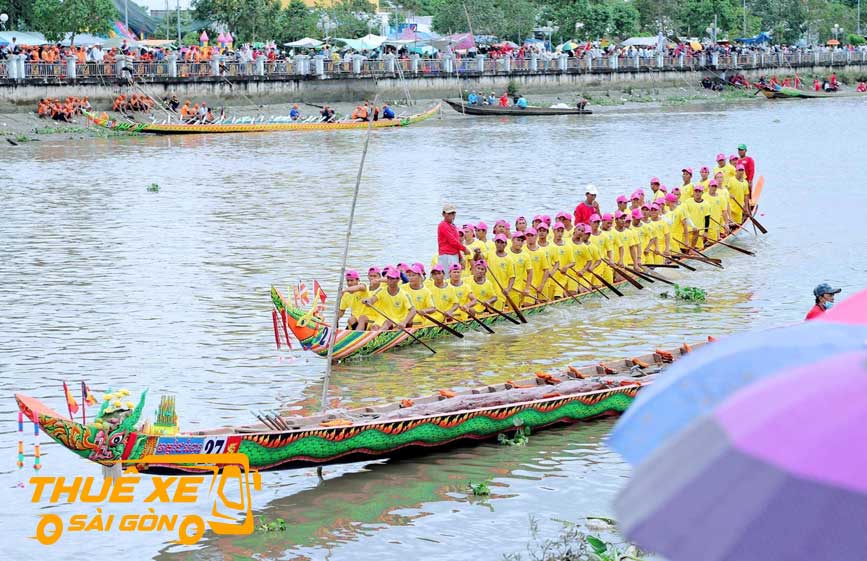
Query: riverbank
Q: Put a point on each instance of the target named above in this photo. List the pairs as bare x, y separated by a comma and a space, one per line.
25, 126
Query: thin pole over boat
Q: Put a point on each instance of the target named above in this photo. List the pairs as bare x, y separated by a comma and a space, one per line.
334, 326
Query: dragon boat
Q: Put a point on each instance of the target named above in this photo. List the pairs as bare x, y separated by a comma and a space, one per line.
467, 109
253, 126
784, 92
410, 427
351, 344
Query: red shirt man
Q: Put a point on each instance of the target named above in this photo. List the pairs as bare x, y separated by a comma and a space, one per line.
748, 163
588, 207
824, 300
448, 242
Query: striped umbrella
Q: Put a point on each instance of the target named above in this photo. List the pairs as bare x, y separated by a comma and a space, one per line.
699, 382
778, 471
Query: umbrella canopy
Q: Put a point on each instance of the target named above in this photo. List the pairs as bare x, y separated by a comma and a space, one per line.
833, 42
696, 384
568, 46
306, 43
115, 42
852, 310
776, 472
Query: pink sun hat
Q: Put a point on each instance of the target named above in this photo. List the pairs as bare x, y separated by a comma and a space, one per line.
352, 274
482, 226
671, 198
607, 217
720, 157
595, 218
654, 180
501, 238
622, 199
637, 214
559, 226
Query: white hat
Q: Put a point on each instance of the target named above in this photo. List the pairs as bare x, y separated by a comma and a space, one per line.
591, 189
449, 207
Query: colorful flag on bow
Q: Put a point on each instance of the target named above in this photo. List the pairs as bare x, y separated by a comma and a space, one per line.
86, 396
71, 404
320, 294
303, 294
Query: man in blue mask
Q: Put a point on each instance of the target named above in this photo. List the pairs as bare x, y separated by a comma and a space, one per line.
824, 294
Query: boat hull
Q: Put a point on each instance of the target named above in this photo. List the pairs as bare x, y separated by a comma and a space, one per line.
223, 128
792, 93
331, 445
528, 111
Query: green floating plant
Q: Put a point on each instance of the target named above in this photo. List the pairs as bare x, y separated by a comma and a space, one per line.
522, 436
480, 489
154, 188
686, 293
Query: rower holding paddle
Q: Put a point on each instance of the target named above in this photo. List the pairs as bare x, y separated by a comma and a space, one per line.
523, 270
483, 293
392, 302
500, 264
419, 295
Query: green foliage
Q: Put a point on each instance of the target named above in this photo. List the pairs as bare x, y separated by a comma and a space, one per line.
512, 88
20, 13
575, 543
855, 39
583, 19
479, 489
154, 188
55, 18
296, 22
686, 293
249, 20
521, 438
276, 525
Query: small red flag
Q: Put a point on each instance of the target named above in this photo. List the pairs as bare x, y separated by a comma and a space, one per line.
318, 290
71, 404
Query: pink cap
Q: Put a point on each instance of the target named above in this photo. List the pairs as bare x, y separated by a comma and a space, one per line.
402, 266
546, 219
740, 167
687, 170
704, 169
587, 229
698, 187
482, 226
595, 218
455, 267
676, 189
376, 270
734, 157
543, 226
712, 182
671, 198
520, 218
622, 199
392, 273
501, 238
559, 226
654, 180
645, 206
537, 218
564, 214
480, 262
654, 206
438, 268
720, 157
420, 265
607, 217
417, 269
530, 231
619, 214
637, 214
663, 188
635, 196
517, 234
352, 274
500, 222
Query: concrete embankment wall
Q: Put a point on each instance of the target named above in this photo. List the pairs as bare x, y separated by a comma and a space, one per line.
24, 96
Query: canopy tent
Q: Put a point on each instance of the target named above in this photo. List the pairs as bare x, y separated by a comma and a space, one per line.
140, 22
157, 43
22, 38
763, 37
458, 42
365, 43
641, 42
418, 36
83, 39
116, 42
305, 43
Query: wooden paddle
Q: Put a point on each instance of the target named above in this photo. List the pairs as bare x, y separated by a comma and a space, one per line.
508, 298
565, 290
585, 284
749, 215
498, 312
405, 330
736, 248
610, 286
623, 274
480, 322
676, 261
644, 274
756, 191
712, 260
661, 266
435, 321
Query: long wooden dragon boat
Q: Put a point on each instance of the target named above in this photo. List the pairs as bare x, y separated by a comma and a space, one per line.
461, 107
266, 126
412, 426
783, 92
350, 344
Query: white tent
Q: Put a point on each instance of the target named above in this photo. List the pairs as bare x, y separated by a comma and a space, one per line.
306, 43
23, 38
373, 41
640, 42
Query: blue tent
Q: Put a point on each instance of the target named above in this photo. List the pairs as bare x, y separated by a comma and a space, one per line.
763, 37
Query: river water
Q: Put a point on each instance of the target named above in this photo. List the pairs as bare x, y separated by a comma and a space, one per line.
105, 281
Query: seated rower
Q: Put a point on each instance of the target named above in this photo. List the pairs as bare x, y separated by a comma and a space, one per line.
387, 112
349, 300
522, 102
295, 113
460, 289
392, 302
368, 318
483, 293
420, 296
443, 296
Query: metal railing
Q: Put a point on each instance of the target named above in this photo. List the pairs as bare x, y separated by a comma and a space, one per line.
321, 68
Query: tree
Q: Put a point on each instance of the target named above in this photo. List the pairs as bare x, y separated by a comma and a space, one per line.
693, 17
450, 16
349, 18
296, 22
55, 18
248, 20
20, 13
